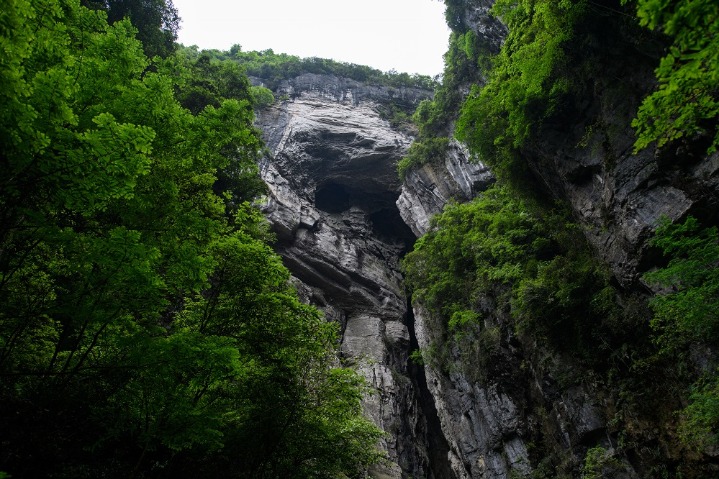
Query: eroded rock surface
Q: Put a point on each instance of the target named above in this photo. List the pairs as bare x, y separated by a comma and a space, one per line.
428, 188
526, 396
332, 190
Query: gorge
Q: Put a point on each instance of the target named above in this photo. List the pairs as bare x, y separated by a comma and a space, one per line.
333, 202
344, 221
247, 264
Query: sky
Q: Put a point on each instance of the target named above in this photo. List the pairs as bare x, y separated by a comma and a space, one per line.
405, 35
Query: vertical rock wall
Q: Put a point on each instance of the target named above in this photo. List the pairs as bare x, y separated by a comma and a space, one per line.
496, 416
332, 191
343, 220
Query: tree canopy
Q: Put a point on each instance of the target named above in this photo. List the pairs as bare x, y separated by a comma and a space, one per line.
157, 21
147, 329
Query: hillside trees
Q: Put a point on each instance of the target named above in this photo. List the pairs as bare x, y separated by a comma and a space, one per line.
435, 118
274, 67
146, 328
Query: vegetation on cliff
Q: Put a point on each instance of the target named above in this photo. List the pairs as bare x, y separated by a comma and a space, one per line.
686, 315
532, 264
273, 67
686, 104
511, 264
147, 329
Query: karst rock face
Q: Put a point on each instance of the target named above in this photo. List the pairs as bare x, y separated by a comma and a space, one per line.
343, 220
331, 174
427, 188
493, 415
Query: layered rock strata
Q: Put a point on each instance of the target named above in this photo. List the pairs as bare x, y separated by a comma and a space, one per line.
332, 191
427, 188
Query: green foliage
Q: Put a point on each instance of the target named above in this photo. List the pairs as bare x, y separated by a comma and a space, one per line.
147, 329
686, 313
434, 117
599, 463
688, 308
535, 267
687, 101
398, 115
417, 357
157, 21
529, 79
206, 81
563, 292
699, 427
429, 150
261, 97
273, 67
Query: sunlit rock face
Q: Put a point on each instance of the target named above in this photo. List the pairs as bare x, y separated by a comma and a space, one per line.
331, 175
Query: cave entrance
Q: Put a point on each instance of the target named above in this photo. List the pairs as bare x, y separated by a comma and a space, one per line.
332, 198
388, 226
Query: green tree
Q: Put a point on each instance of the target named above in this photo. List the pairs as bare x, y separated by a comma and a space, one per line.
157, 21
261, 97
146, 327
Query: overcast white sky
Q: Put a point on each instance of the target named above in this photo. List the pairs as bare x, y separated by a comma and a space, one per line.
407, 35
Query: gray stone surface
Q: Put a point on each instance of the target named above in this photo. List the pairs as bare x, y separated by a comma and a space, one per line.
428, 188
480, 422
332, 187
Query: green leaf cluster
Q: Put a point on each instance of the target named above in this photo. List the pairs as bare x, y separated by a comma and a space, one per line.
687, 307
261, 97
686, 314
497, 255
157, 21
699, 428
146, 328
529, 80
600, 462
686, 104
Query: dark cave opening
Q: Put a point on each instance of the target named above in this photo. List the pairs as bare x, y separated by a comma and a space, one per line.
332, 198
388, 226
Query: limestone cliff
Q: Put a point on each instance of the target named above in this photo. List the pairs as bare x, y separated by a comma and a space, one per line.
427, 188
343, 220
332, 192
529, 405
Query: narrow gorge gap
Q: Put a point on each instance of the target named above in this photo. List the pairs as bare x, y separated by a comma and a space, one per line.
437, 445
